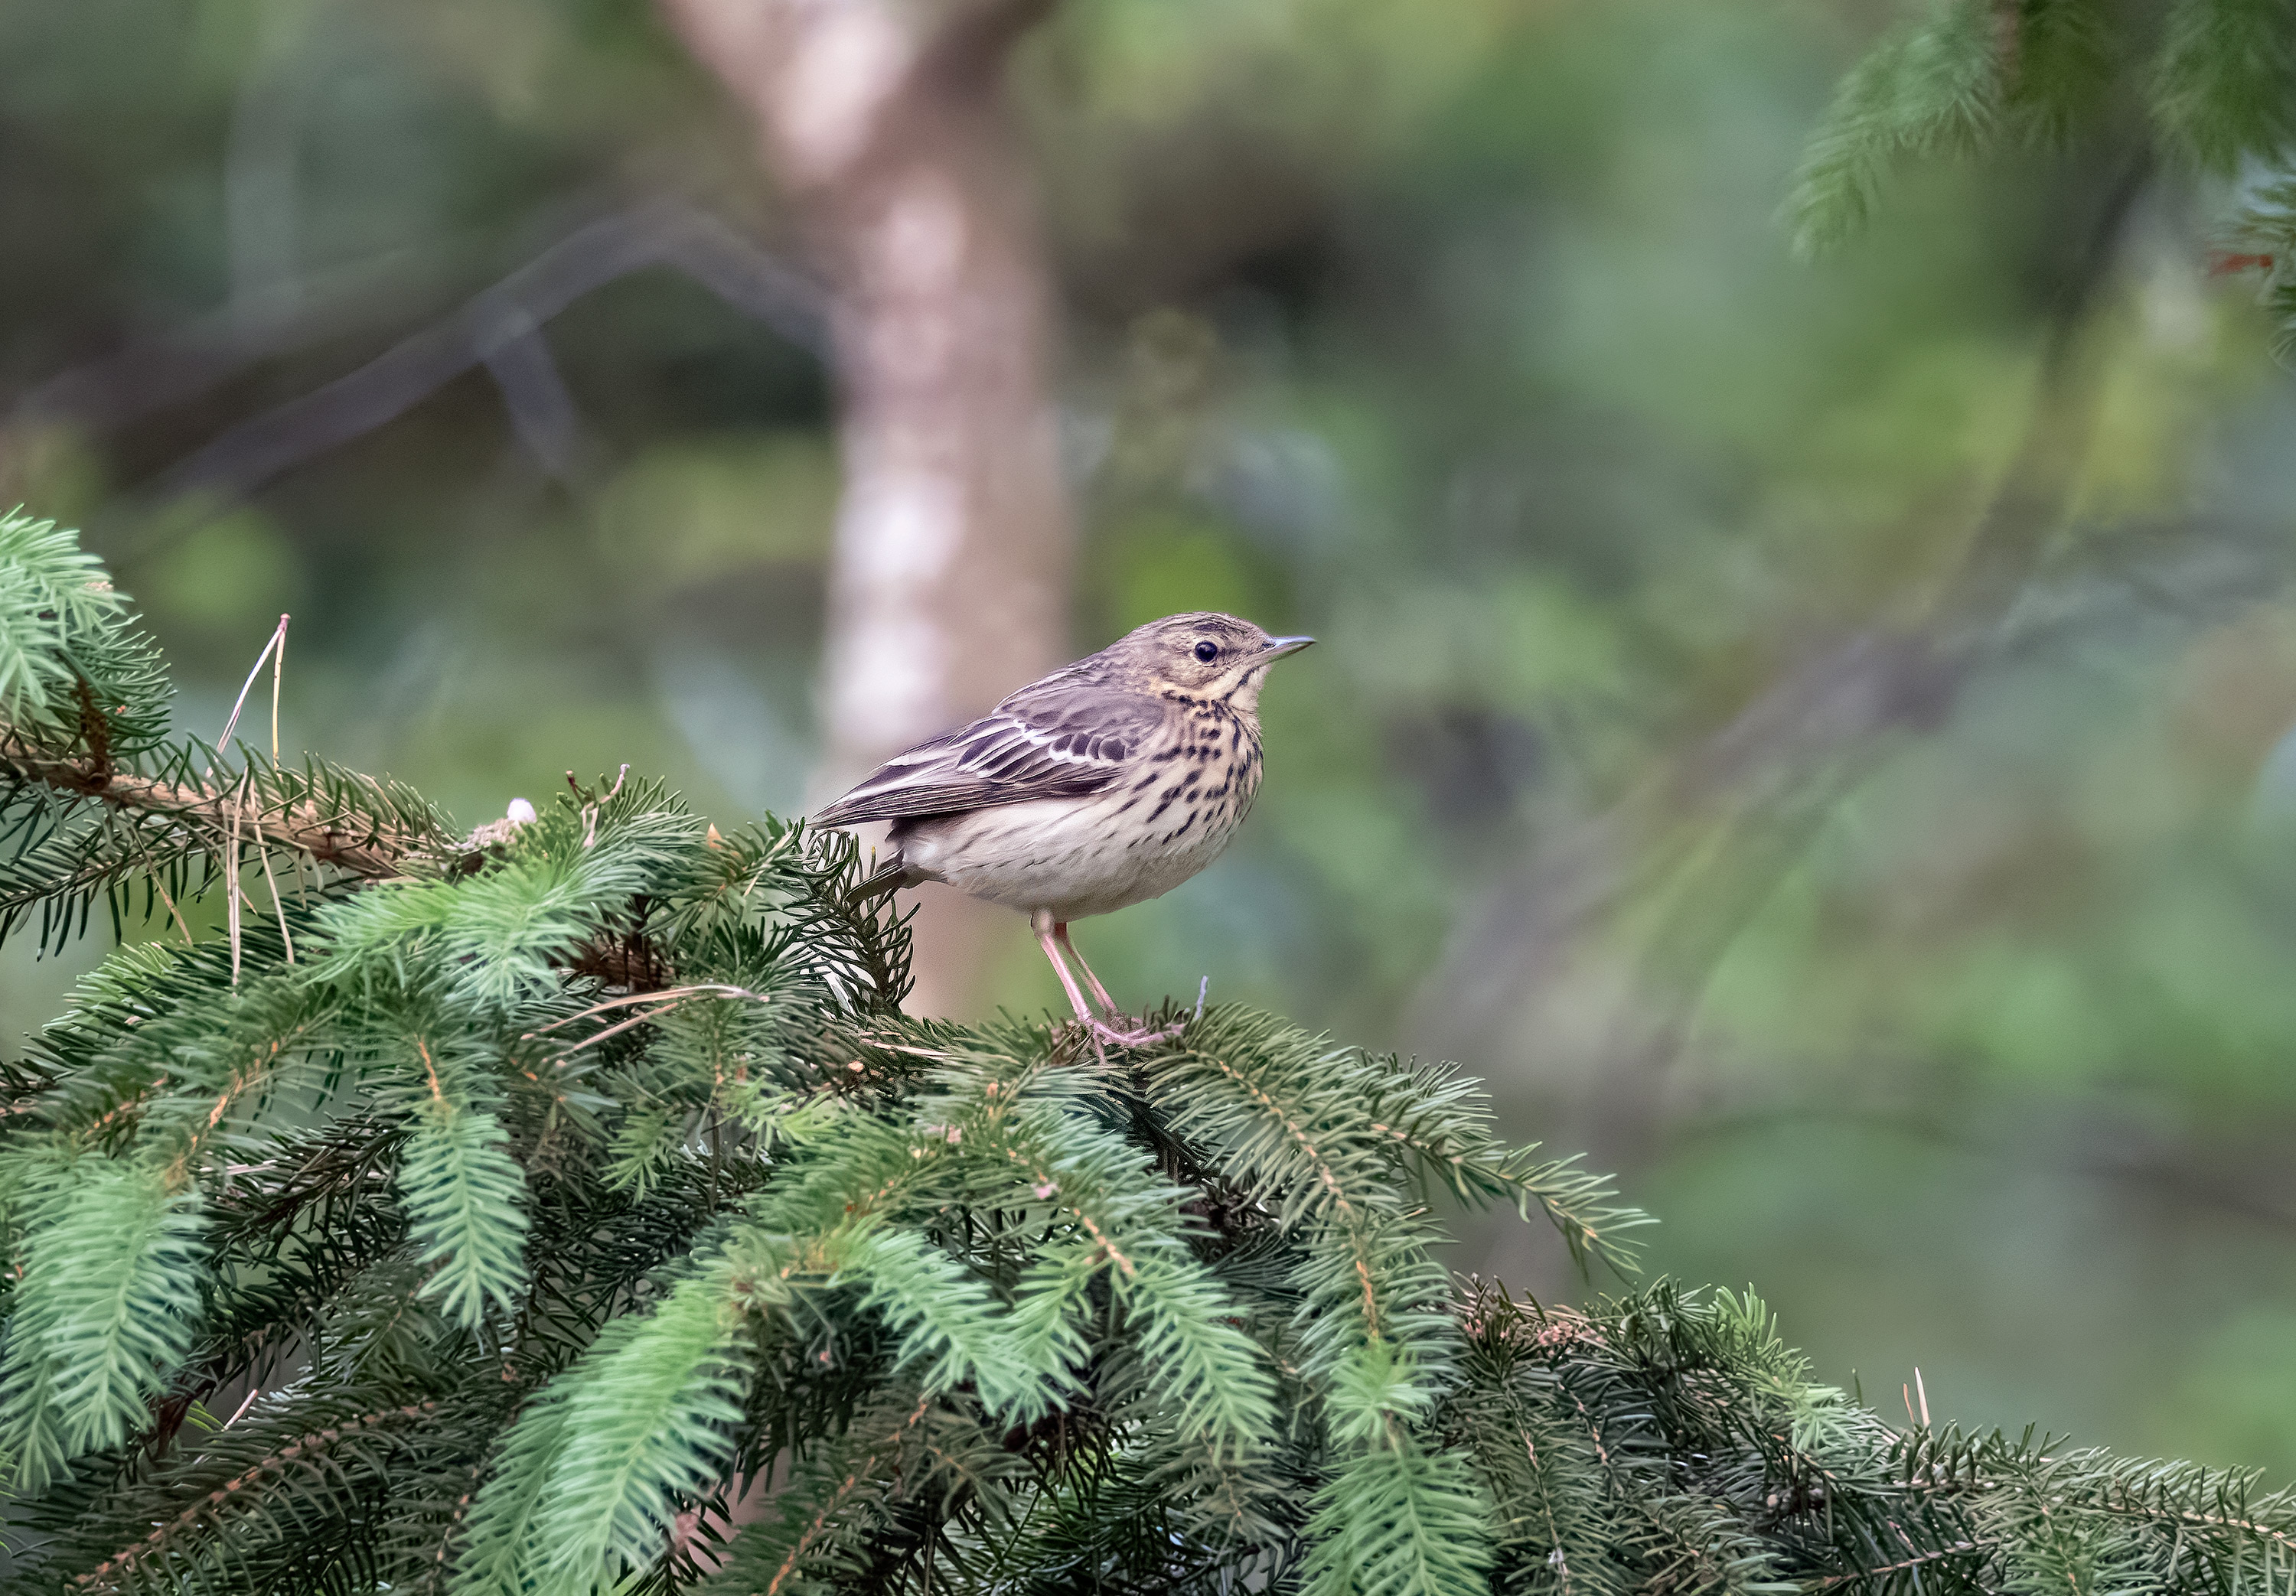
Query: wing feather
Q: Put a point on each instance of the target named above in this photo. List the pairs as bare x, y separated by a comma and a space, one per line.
1057, 739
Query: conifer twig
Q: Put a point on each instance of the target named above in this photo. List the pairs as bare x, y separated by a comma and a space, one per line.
376, 855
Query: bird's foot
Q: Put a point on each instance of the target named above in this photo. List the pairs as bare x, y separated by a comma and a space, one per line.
1102, 1031
1114, 1032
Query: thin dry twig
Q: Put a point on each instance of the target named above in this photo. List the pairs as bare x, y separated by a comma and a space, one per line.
590, 810
614, 1030
669, 994
278, 642
278, 670
231, 884
152, 870
691, 995
278, 907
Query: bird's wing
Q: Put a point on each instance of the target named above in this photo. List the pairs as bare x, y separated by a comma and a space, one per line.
1055, 740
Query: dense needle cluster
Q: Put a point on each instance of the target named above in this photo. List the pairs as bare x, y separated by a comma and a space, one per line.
570, 1207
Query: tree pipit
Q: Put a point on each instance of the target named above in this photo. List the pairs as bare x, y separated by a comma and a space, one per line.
1108, 782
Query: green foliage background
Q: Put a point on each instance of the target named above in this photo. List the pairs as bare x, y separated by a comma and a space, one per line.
1468, 337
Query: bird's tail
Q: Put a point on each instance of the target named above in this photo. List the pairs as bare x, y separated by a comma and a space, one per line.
890, 876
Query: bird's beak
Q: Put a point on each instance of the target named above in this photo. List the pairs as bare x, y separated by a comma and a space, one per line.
1277, 647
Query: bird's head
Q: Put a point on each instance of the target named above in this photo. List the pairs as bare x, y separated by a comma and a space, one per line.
1205, 655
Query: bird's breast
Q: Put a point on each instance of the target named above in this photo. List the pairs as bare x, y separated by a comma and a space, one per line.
1170, 812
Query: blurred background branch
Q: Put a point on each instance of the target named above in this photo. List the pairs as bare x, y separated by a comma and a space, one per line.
500, 329
1742, 806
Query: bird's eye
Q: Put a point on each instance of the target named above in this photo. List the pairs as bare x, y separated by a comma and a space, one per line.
1207, 650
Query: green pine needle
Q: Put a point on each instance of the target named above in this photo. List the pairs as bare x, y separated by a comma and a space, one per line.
465, 1199
105, 1311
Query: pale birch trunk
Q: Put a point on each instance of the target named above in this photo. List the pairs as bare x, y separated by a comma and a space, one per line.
884, 123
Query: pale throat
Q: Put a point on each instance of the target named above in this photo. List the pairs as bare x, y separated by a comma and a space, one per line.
1243, 698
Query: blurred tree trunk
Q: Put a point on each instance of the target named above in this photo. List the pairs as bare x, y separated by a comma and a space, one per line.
885, 125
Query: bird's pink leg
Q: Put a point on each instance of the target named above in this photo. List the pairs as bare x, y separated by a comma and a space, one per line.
1061, 936
1041, 922
1049, 937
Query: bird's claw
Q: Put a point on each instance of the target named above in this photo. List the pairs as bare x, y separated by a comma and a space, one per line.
1102, 1031
1139, 1038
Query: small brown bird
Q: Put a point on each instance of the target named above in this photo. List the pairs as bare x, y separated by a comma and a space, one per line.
1108, 782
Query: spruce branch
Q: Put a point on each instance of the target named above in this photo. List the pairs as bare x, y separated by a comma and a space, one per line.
497, 1220
52, 593
321, 814
1934, 84
100, 1316
465, 1199
833, 1494
198, 1548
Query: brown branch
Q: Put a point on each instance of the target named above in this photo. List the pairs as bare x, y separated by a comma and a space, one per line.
364, 850
357, 848
178, 365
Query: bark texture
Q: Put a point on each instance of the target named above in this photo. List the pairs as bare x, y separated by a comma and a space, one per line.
884, 122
